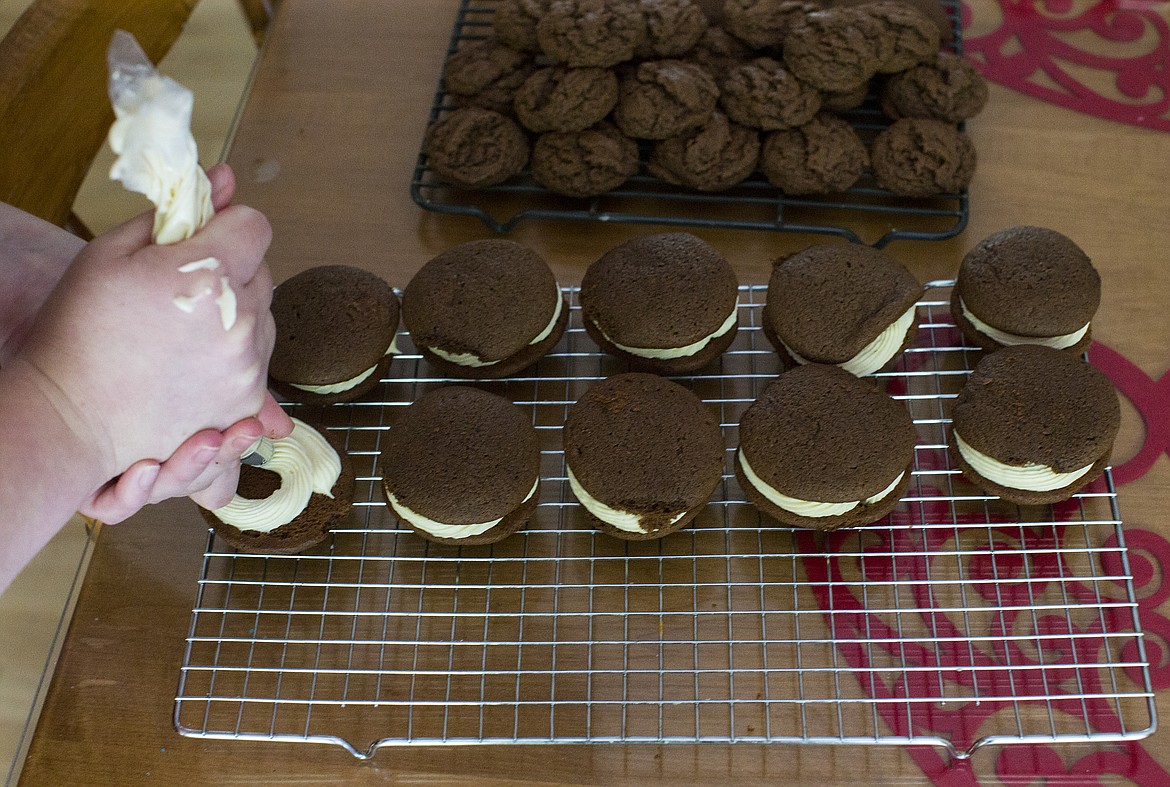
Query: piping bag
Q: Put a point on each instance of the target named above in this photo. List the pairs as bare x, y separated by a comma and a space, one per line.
157, 156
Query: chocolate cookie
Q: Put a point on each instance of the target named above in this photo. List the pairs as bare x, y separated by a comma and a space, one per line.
290, 503
514, 23
846, 99
335, 328
763, 94
920, 158
1034, 425
1027, 285
821, 449
764, 23
476, 147
838, 49
461, 466
664, 302
642, 455
823, 156
916, 38
931, 9
716, 157
948, 88
584, 163
844, 304
599, 33
486, 74
673, 27
719, 51
566, 99
659, 99
484, 309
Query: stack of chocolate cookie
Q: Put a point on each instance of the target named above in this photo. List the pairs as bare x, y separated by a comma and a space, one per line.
714, 92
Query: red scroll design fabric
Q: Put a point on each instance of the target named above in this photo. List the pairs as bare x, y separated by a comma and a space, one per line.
1110, 59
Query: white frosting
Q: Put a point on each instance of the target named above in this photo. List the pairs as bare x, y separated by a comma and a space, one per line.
346, 385
668, 353
622, 520
152, 138
205, 264
443, 530
877, 353
1032, 477
473, 360
306, 463
226, 301
1010, 339
809, 508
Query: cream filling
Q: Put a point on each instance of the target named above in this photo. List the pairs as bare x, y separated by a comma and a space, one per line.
622, 520
669, 353
354, 382
809, 508
1032, 477
443, 530
1009, 339
151, 136
877, 353
306, 463
471, 359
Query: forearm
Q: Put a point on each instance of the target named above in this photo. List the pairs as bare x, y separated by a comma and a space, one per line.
46, 471
33, 256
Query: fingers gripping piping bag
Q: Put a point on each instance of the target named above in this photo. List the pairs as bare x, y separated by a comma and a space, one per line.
158, 157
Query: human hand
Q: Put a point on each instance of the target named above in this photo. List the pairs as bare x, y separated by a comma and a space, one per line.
138, 388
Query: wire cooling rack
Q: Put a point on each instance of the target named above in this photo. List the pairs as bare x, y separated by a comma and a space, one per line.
643, 199
957, 621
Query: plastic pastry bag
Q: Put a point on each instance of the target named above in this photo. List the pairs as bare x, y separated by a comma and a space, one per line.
152, 138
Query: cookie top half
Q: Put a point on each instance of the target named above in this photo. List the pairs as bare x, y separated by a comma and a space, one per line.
828, 302
460, 455
487, 298
659, 291
332, 322
1029, 404
818, 433
1030, 281
643, 444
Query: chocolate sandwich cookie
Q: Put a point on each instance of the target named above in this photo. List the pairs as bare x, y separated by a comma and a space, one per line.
486, 74
462, 466
599, 33
514, 23
1034, 425
476, 147
946, 88
763, 94
667, 303
335, 328
642, 455
916, 157
673, 27
1027, 285
659, 99
566, 99
484, 309
584, 163
821, 449
848, 305
290, 503
823, 156
837, 49
716, 157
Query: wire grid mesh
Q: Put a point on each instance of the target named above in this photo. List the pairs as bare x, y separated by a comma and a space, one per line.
643, 199
957, 621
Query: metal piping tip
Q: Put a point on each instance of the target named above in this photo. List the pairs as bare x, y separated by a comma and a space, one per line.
259, 454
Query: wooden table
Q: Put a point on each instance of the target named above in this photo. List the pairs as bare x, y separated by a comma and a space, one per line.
326, 146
